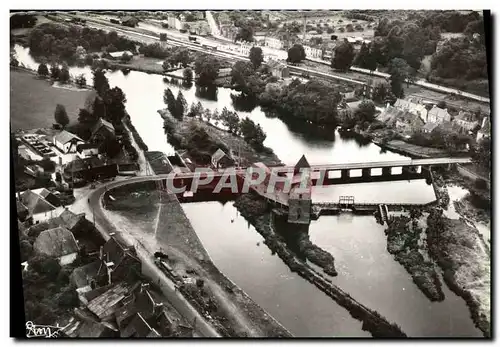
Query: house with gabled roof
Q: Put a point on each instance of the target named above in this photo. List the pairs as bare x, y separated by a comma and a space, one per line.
102, 130
48, 195
58, 243
466, 121
117, 260
38, 208
220, 159
412, 107
66, 142
438, 115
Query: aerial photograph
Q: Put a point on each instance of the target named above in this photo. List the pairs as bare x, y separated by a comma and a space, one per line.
250, 173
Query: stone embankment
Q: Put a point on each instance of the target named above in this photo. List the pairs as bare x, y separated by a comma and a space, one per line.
256, 210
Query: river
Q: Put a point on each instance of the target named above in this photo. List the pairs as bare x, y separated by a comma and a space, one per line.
366, 269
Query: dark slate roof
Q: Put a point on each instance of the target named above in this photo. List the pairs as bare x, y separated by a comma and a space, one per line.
302, 163
102, 123
69, 219
65, 137
35, 203
56, 242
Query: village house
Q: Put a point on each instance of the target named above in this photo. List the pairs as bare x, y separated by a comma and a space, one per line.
34, 170
102, 130
278, 69
84, 325
38, 208
229, 31
87, 150
48, 196
174, 22
117, 260
119, 55
313, 52
89, 169
412, 107
58, 243
429, 127
66, 142
221, 160
438, 115
274, 43
466, 121
402, 120
129, 21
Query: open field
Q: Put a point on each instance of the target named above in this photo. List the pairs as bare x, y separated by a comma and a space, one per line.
33, 101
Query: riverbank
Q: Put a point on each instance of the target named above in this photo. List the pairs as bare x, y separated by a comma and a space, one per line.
158, 221
180, 134
259, 214
460, 252
406, 244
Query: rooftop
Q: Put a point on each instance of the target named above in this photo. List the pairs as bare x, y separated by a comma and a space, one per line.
100, 123
56, 242
65, 136
35, 203
105, 304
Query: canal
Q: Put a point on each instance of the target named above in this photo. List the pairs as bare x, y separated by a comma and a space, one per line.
366, 270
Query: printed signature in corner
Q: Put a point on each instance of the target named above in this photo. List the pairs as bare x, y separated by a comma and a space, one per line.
47, 331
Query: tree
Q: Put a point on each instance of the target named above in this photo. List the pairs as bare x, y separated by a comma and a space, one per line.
183, 57
256, 56
61, 116
244, 34
188, 75
349, 28
380, 92
400, 71
482, 153
296, 54
13, 61
365, 58
252, 133
230, 120
81, 81
64, 76
26, 250
207, 69
365, 112
169, 100
330, 30
181, 105
343, 58
125, 58
43, 70
101, 84
115, 105
55, 71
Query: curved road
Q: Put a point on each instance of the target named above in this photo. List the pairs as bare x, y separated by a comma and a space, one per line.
176, 299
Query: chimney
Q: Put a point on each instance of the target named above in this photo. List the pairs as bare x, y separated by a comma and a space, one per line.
144, 286
101, 252
111, 234
484, 122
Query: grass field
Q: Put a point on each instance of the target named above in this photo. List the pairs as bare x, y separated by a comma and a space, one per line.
33, 101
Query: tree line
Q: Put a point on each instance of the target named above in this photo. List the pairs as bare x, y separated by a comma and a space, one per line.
60, 43
251, 132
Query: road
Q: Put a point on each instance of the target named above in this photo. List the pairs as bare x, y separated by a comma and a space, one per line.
95, 211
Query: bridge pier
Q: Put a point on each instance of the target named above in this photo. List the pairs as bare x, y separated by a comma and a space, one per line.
386, 171
366, 172
346, 173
